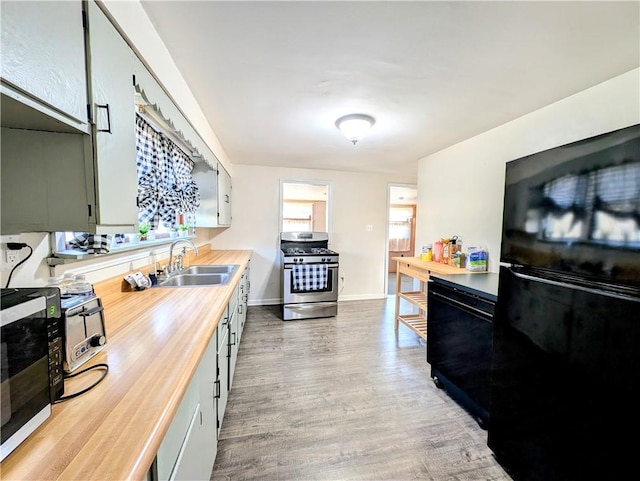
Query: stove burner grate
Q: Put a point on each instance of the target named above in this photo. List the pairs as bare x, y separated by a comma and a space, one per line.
297, 251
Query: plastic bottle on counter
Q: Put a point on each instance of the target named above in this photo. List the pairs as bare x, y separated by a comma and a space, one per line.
152, 269
80, 286
455, 247
57, 282
446, 250
437, 251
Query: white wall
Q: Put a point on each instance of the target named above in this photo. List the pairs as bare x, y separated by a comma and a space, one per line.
355, 200
461, 188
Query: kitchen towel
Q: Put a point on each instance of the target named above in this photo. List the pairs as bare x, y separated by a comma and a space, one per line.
310, 277
92, 244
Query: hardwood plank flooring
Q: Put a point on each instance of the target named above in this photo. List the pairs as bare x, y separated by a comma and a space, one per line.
343, 398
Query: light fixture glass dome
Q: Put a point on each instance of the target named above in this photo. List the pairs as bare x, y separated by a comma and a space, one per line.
355, 126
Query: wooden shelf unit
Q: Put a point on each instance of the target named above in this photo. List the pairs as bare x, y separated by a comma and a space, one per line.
417, 269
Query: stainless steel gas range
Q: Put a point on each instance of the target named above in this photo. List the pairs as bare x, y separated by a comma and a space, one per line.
309, 276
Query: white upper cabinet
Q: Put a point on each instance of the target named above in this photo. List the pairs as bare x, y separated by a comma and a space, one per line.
206, 179
43, 66
112, 93
214, 186
53, 180
224, 197
214, 183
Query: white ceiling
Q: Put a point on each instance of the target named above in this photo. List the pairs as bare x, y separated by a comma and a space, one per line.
272, 77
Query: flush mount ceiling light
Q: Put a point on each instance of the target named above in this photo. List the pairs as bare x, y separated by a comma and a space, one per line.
355, 126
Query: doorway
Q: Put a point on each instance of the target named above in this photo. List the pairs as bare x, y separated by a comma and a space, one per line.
304, 206
401, 228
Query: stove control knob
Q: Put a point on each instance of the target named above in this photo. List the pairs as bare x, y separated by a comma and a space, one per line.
324, 260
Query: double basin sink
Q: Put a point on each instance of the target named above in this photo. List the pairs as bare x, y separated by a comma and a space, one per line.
194, 276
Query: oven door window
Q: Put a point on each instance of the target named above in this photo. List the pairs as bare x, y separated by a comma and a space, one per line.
24, 386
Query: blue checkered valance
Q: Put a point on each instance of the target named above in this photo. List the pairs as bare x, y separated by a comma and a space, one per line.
165, 185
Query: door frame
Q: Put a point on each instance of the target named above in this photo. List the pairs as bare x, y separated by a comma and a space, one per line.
390, 187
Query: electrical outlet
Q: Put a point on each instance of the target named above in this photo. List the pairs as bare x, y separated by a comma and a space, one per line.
5, 239
11, 258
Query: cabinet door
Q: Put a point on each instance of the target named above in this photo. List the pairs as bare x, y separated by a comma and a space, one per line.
243, 295
208, 434
189, 449
233, 344
197, 456
112, 94
206, 179
222, 381
43, 183
43, 65
224, 197
182, 425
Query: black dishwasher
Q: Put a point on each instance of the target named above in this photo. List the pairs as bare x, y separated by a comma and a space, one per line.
459, 338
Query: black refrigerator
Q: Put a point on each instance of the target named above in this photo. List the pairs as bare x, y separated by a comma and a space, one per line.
565, 375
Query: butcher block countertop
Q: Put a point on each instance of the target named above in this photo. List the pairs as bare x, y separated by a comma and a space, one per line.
155, 340
431, 266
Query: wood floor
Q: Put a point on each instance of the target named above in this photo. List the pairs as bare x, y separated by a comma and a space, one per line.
343, 398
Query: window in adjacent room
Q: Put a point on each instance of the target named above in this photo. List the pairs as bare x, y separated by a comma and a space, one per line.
304, 206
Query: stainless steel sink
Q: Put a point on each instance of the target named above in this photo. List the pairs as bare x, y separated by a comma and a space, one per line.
210, 269
195, 280
205, 275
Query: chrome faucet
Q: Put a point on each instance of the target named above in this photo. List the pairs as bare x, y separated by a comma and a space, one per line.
172, 266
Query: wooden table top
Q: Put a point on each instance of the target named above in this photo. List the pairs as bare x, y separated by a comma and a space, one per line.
155, 340
431, 266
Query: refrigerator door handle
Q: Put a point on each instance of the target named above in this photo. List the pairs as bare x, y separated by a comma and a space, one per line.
600, 292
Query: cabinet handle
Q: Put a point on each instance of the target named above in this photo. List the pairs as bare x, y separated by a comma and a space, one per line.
226, 198
217, 392
106, 107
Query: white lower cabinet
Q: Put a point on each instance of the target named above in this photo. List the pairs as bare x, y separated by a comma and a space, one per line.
243, 298
222, 369
188, 451
189, 448
234, 335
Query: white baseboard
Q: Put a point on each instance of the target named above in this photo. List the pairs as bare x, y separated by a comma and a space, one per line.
362, 297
